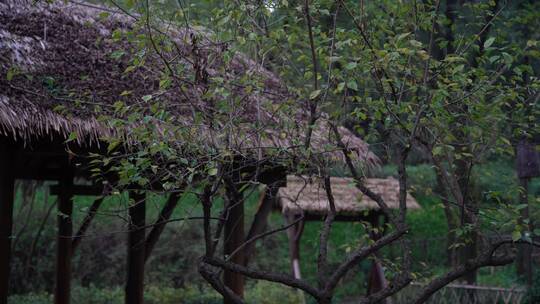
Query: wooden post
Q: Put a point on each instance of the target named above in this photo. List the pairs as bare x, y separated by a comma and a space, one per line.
234, 237
376, 278
294, 233
64, 248
6, 217
136, 247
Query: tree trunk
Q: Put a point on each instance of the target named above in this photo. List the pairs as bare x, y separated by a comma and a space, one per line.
234, 237
136, 247
524, 256
527, 166
260, 220
159, 225
451, 239
327, 300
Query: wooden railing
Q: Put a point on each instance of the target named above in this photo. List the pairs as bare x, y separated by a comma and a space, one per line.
465, 294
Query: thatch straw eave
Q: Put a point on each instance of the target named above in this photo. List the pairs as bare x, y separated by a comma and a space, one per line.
32, 123
63, 65
305, 195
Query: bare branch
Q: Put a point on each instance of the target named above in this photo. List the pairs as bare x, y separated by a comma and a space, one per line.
325, 234
282, 278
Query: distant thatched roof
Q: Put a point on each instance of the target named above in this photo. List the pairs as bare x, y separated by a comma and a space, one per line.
310, 197
63, 64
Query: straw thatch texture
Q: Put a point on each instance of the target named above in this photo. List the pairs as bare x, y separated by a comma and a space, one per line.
63, 65
309, 196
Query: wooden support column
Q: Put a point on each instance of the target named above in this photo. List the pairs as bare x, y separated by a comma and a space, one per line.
294, 233
136, 247
63, 247
376, 278
234, 237
6, 216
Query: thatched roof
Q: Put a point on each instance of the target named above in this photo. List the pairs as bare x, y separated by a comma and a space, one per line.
308, 195
64, 64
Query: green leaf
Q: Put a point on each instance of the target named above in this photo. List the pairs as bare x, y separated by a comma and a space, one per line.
164, 83
104, 15
314, 94
516, 235
112, 146
241, 40
117, 54
351, 84
10, 73
361, 115
334, 58
72, 136
489, 42
401, 36
146, 98
130, 69
507, 58
492, 59
212, 171
415, 43
438, 150
351, 65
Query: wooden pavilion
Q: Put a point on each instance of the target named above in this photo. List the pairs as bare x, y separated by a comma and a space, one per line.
65, 66
306, 197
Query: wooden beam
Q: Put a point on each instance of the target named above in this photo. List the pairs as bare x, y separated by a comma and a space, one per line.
234, 237
160, 223
6, 216
86, 223
136, 247
267, 200
87, 190
274, 176
63, 248
311, 217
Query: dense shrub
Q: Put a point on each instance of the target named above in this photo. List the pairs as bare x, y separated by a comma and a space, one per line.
533, 293
31, 298
257, 293
263, 292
